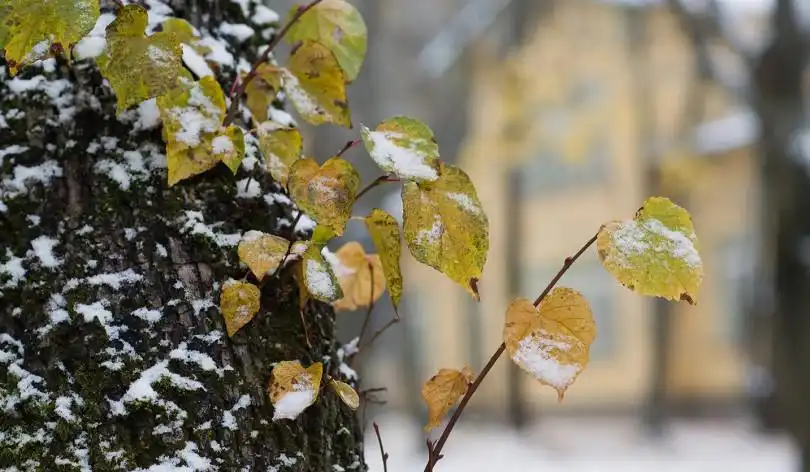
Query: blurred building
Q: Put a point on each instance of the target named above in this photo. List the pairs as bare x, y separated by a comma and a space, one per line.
579, 110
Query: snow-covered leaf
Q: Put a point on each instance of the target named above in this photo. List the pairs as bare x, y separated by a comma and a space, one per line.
316, 86
656, 253
445, 226
319, 278
326, 193
360, 276
346, 393
384, 232
186, 34
239, 303
293, 389
281, 147
404, 146
442, 391
550, 342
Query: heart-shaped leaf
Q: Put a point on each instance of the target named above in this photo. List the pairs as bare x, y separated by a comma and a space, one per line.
325, 193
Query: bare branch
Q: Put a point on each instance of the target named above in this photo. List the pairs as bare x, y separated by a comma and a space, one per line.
382, 449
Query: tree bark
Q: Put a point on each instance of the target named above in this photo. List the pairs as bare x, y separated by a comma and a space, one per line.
113, 355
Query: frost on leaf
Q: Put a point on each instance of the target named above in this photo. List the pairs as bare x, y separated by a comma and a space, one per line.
316, 86
338, 26
404, 146
32, 30
325, 193
156, 58
384, 232
346, 393
192, 115
262, 252
550, 342
360, 276
445, 226
262, 90
442, 391
281, 147
656, 253
239, 303
319, 277
293, 389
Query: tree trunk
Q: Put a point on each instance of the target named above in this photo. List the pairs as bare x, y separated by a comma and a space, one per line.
113, 355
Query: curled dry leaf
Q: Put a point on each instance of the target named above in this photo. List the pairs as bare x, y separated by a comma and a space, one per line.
360, 276
281, 147
293, 389
326, 193
239, 303
656, 253
551, 342
384, 232
346, 393
262, 252
445, 226
442, 391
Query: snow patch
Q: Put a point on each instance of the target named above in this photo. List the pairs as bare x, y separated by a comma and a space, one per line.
42, 249
534, 354
408, 162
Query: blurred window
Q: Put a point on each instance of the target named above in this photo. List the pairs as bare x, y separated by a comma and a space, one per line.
736, 271
589, 278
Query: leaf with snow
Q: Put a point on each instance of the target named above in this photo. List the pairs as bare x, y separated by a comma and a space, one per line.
360, 276
319, 277
384, 231
655, 253
442, 391
316, 86
281, 147
301, 283
229, 147
156, 58
263, 253
262, 90
346, 393
239, 303
293, 389
186, 34
552, 341
404, 146
325, 193
445, 226
32, 30
338, 26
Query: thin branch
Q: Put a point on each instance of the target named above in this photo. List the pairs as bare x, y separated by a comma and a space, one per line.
378, 181
434, 451
347, 146
382, 449
367, 319
379, 332
238, 87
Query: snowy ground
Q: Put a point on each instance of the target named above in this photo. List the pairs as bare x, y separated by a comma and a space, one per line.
586, 445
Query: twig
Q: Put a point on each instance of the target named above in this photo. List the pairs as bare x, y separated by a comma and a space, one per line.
306, 330
434, 452
380, 331
382, 449
368, 315
347, 146
238, 87
379, 180
289, 246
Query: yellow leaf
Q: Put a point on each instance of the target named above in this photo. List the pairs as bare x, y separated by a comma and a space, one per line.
262, 252
551, 342
340, 27
303, 291
262, 90
656, 253
360, 276
346, 393
442, 391
281, 147
239, 303
404, 146
185, 33
156, 58
32, 30
319, 277
229, 147
293, 389
316, 86
325, 193
445, 226
384, 232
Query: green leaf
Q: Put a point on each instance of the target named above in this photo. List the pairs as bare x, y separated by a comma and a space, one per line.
325, 193
655, 253
31, 30
445, 226
156, 58
281, 147
319, 277
340, 27
316, 85
404, 146
384, 232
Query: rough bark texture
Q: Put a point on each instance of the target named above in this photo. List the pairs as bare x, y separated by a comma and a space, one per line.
112, 351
